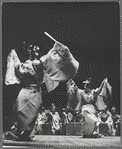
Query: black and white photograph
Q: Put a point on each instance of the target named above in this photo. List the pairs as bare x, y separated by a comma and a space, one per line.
61, 74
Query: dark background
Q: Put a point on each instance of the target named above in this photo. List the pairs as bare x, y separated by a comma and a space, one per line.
90, 30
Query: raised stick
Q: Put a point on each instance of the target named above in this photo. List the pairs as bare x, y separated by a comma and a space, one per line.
51, 37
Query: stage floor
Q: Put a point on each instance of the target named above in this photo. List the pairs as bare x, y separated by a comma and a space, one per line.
49, 141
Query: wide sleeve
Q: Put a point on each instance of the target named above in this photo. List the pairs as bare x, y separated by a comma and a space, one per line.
60, 65
79, 105
104, 95
12, 63
97, 91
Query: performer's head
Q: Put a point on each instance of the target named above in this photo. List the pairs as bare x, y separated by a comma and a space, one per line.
87, 84
71, 86
53, 108
43, 109
58, 51
113, 110
65, 110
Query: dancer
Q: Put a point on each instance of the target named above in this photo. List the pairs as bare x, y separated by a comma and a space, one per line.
30, 75
88, 101
57, 65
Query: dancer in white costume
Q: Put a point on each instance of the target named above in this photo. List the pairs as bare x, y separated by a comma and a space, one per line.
89, 101
89, 108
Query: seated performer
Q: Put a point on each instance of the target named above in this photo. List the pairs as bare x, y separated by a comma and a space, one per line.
116, 120
41, 119
106, 119
66, 116
50, 69
55, 119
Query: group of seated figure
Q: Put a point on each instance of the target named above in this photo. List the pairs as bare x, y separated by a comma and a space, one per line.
109, 122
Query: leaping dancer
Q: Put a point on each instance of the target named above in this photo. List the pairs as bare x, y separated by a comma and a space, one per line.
32, 74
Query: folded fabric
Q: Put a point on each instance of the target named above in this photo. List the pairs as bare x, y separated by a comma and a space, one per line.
12, 62
60, 65
104, 97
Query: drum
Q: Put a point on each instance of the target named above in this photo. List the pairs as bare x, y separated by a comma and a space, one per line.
103, 129
88, 128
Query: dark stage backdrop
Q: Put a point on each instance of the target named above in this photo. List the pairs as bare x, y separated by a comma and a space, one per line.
90, 30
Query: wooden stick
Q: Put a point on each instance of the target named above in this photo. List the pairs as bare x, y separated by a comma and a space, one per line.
51, 37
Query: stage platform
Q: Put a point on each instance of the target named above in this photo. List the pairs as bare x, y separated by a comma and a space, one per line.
48, 141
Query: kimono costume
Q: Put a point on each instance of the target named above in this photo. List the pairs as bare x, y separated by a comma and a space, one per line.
74, 97
55, 122
94, 101
30, 75
57, 65
89, 103
66, 118
106, 119
116, 122
60, 66
41, 119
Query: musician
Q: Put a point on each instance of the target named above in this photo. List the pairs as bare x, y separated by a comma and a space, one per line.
64, 117
55, 119
41, 119
116, 120
106, 119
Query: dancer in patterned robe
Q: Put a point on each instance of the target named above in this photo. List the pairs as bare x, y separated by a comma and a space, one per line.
57, 65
